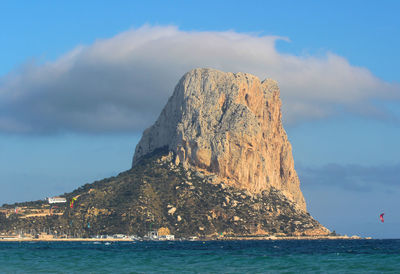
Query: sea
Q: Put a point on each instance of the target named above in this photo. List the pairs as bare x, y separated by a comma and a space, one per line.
280, 256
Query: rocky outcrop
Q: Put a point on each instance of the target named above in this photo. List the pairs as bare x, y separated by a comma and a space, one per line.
227, 124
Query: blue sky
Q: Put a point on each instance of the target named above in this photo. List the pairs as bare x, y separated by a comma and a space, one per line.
79, 81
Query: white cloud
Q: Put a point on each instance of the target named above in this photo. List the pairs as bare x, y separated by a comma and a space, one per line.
122, 83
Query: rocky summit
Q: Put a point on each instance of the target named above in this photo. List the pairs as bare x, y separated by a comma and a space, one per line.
216, 163
228, 124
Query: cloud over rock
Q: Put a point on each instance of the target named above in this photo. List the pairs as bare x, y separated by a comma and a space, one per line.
120, 84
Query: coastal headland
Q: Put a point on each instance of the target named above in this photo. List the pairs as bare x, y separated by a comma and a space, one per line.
217, 164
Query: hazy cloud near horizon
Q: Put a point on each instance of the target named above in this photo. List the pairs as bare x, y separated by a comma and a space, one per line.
351, 177
121, 84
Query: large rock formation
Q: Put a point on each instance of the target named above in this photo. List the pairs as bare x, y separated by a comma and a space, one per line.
217, 163
228, 124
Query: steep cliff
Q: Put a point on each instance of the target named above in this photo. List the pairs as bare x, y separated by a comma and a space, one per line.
228, 124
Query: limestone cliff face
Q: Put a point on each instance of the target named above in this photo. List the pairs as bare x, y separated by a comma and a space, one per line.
228, 124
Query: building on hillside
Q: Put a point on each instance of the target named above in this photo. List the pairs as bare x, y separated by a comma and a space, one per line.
56, 200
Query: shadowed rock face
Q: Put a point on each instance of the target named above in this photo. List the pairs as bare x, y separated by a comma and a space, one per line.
227, 124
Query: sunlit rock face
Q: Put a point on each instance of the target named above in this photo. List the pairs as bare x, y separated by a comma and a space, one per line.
227, 124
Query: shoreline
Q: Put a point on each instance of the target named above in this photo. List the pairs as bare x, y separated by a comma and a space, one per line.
267, 238
64, 240
298, 238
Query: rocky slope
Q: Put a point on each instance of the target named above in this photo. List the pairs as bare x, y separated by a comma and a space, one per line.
155, 194
229, 125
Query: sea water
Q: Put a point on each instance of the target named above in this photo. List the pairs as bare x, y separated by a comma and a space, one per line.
282, 256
